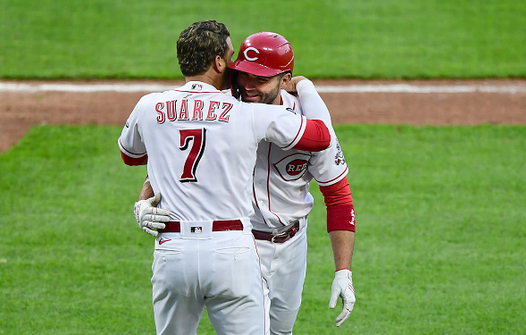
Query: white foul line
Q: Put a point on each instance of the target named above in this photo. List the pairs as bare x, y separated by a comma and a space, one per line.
405, 88
371, 88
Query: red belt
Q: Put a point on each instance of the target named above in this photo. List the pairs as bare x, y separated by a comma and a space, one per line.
277, 237
175, 226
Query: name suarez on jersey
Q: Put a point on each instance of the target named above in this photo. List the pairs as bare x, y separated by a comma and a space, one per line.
192, 110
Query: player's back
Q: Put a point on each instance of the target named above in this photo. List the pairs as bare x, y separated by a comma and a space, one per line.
201, 147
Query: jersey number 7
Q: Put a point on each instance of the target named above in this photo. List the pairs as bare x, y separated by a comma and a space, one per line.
197, 136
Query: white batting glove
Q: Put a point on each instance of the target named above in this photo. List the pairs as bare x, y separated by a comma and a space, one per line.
342, 287
149, 217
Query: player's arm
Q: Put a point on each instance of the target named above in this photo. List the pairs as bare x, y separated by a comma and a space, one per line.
148, 216
285, 128
133, 150
341, 225
341, 221
146, 190
312, 104
342, 242
316, 137
133, 161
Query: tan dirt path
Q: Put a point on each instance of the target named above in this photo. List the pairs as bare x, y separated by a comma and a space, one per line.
21, 110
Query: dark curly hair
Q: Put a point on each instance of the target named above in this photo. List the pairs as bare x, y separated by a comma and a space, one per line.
199, 44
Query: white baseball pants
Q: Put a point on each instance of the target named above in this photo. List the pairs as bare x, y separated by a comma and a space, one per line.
219, 270
284, 266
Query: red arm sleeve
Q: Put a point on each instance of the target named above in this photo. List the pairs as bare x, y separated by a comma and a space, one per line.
340, 208
316, 137
134, 161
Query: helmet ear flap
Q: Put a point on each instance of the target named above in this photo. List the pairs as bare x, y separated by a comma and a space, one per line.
233, 84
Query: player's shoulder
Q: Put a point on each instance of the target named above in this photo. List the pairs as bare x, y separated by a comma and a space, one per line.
291, 101
265, 111
227, 96
287, 97
153, 96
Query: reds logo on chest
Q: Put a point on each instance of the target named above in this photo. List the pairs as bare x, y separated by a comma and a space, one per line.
292, 167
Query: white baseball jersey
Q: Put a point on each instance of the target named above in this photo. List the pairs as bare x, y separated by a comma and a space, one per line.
201, 146
281, 188
281, 178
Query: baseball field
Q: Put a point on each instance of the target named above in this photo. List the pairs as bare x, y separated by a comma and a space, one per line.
429, 104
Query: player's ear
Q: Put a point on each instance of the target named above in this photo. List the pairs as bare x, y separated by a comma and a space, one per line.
285, 79
219, 64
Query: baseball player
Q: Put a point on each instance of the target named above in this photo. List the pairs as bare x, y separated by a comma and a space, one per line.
281, 184
200, 149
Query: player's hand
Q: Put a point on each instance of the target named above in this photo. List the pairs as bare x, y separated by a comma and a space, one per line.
149, 217
291, 85
342, 287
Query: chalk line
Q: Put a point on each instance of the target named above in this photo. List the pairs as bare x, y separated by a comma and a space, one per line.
370, 88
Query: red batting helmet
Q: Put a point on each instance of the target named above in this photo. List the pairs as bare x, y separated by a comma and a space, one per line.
264, 54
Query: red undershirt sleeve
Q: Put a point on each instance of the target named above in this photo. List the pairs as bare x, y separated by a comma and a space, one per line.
340, 208
134, 161
316, 137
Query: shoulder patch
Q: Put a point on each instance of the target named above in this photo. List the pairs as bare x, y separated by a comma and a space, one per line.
339, 159
291, 110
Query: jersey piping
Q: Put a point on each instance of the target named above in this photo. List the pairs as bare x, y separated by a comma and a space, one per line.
333, 180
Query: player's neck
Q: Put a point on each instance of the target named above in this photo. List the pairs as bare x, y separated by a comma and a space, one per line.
203, 79
210, 77
278, 100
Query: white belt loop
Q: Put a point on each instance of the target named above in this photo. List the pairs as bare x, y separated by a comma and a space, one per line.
247, 225
303, 222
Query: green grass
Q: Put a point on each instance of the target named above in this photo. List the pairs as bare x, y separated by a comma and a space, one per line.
440, 230
439, 246
53, 39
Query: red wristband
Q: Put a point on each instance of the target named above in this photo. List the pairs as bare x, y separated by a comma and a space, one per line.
341, 217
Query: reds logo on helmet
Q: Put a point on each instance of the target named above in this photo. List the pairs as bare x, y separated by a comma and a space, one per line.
247, 57
264, 54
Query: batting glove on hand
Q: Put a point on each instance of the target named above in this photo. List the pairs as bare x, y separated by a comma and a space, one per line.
342, 287
149, 217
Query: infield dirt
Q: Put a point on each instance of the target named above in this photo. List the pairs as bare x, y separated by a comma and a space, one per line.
19, 111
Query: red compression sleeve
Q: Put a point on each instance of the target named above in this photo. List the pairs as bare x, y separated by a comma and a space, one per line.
316, 137
340, 208
134, 161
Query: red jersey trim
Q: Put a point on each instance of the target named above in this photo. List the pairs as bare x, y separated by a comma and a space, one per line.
333, 180
129, 153
132, 161
299, 134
